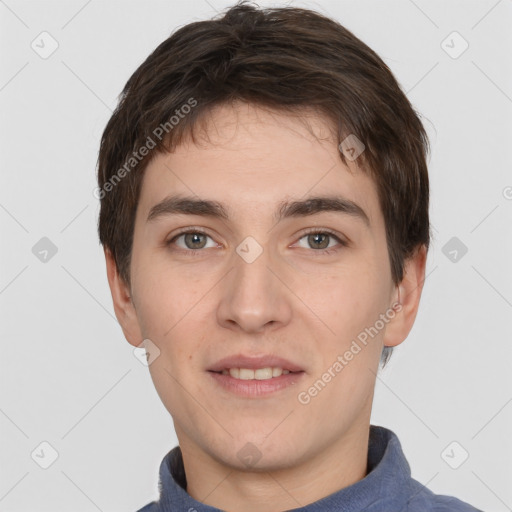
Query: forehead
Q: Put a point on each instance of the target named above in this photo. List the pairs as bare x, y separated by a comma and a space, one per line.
251, 160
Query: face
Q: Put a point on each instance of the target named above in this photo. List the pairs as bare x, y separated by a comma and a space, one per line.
256, 272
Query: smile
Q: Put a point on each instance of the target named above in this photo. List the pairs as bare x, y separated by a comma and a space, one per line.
257, 374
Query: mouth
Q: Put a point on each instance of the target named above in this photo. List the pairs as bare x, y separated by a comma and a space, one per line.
250, 376
255, 374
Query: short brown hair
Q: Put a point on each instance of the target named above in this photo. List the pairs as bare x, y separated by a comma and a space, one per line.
280, 58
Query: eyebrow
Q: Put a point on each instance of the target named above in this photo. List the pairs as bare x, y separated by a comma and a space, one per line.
175, 205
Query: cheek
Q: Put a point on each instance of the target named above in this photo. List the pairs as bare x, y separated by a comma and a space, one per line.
348, 304
344, 298
165, 296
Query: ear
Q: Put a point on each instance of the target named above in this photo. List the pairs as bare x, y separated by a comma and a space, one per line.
408, 295
123, 304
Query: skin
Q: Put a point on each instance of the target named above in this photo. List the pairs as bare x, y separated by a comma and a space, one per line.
292, 301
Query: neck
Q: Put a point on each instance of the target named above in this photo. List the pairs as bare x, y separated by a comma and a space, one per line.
338, 466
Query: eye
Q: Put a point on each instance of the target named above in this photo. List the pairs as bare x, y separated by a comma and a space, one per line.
192, 240
321, 240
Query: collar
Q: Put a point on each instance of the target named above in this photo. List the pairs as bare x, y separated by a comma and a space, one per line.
386, 484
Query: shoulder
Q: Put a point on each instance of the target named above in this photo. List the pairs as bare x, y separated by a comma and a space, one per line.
424, 500
150, 507
451, 504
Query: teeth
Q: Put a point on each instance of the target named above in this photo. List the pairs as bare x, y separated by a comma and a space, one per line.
244, 373
277, 372
259, 374
263, 373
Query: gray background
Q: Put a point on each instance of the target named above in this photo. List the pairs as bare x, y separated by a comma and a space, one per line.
69, 378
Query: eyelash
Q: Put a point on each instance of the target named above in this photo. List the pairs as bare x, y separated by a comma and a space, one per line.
310, 231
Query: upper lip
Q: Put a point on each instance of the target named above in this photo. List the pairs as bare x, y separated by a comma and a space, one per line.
254, 362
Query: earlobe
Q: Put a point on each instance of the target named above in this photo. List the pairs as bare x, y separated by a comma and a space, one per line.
122, 301
407, 298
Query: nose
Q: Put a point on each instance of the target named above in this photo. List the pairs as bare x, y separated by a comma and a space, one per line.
254, 298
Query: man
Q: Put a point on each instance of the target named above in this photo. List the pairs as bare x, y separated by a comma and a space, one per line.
264, 214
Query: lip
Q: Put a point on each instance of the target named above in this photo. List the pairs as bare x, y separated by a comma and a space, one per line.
254, 362
256, 388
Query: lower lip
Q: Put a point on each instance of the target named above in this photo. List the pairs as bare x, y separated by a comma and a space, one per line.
254, 387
